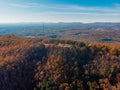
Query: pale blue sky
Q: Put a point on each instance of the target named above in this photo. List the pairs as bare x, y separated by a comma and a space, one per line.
59, 11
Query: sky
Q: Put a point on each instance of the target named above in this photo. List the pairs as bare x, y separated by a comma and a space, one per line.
86, 11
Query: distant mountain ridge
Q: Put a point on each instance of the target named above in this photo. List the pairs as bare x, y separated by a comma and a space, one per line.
65, 30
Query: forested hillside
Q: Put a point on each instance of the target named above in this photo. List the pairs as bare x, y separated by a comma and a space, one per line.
55, 64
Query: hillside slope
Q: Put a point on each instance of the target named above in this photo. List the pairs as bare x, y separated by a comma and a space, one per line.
53, 64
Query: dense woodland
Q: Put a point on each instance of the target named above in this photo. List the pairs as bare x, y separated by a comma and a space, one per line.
55, 64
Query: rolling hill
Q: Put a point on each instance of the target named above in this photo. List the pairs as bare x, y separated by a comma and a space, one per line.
93, 32
56, 64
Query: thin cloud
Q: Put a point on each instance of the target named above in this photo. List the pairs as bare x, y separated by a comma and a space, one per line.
84, 8
81, 13
26, 5
72, 9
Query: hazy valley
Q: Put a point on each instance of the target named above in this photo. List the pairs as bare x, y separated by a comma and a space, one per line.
92, 32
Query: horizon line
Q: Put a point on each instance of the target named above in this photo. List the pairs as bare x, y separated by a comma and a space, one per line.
55, 22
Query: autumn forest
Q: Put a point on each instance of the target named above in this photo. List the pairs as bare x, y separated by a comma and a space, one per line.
56, 64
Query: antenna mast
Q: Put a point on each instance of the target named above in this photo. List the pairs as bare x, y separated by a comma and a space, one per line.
43, 27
